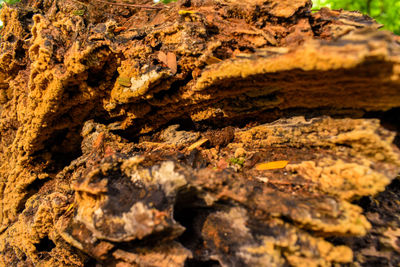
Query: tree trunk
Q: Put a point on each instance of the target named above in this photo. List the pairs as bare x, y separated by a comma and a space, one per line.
198, 133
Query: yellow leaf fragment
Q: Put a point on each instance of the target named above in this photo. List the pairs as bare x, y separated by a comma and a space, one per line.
70, 207
124, 81
197, 144
212, 60
272, 165
186, 12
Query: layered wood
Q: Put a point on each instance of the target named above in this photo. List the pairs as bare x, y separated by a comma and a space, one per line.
233, 133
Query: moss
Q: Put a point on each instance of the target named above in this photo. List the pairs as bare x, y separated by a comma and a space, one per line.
238, 161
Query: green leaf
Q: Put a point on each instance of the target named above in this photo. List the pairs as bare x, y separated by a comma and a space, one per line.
167, 1
79, 12
237, 161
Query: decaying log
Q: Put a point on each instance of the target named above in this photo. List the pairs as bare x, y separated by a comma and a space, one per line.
198, 133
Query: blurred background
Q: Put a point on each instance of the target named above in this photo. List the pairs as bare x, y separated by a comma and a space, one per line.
386, 12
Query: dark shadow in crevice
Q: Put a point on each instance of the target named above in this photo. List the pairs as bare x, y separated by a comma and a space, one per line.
198, 263
185, 123
390, 120
64, 146
191, 212
92, 262
30, 190
45, 245
268, 116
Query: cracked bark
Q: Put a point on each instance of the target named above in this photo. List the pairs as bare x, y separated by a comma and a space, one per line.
134, 137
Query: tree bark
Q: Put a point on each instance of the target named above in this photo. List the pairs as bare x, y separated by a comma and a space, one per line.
218, 132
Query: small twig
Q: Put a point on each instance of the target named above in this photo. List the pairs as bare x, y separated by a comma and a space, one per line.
129, 5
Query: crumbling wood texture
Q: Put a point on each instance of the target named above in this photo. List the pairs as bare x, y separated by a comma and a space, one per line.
198, 133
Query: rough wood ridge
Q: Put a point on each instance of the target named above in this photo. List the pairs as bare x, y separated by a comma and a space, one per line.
198, 133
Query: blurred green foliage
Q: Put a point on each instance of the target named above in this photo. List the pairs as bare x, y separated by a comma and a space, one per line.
386, 12
10, 2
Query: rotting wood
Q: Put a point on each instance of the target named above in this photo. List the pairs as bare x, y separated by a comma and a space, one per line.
134, 136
